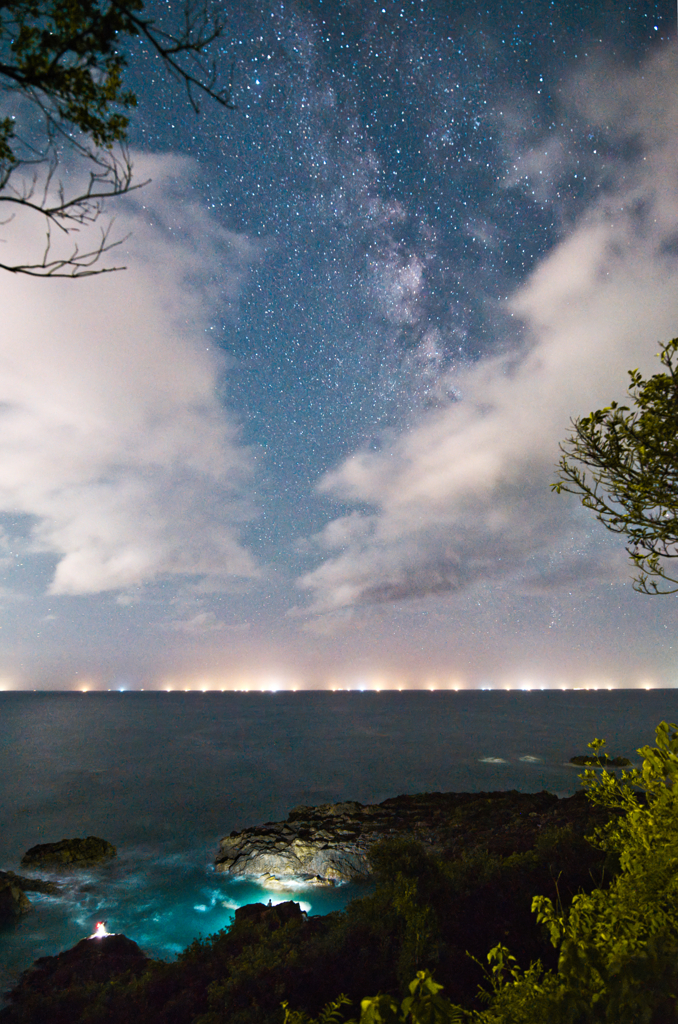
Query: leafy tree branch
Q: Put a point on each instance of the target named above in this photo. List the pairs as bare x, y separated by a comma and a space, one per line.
62, 70
623, 463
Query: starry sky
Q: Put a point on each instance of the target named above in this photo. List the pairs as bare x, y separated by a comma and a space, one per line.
306, 438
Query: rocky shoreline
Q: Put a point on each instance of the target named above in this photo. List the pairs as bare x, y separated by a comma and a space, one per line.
66, 854
471, 862
330, 844
13, 888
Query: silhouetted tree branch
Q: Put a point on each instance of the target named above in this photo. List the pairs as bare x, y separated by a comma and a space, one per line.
62, 64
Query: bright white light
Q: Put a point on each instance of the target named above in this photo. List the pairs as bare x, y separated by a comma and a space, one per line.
100, 931
273, 684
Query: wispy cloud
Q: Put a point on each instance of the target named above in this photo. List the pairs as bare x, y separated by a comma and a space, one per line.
113, 440
464, 496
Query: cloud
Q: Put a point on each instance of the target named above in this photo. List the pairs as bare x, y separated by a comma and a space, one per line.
113, 440
463, 497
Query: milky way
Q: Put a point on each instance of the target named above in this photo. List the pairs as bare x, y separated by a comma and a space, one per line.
427, 235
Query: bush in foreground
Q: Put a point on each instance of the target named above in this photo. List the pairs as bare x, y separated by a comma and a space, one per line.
617, 946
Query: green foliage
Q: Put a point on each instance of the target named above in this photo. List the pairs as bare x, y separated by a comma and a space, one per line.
63, 53
330, 1014
616, 946
631, 455
408, 877
68, 57
423, 1005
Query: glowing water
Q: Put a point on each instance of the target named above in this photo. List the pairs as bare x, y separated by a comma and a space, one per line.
161, 899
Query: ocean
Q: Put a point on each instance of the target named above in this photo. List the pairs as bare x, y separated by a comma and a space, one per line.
164, 775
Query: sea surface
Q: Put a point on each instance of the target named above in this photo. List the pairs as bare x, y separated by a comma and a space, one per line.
164, 775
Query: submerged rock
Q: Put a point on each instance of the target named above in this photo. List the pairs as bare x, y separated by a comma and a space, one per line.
331, 843
70, 852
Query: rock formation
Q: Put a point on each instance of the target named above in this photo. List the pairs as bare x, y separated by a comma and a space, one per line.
90, 961
271, 917
13, 888
13, 901
69, 852
600, 761
330, 844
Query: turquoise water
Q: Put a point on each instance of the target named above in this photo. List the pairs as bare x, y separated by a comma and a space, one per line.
164, 776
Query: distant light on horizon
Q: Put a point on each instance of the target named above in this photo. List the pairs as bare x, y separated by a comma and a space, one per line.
370, 682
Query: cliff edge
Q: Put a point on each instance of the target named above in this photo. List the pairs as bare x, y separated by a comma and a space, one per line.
330, 844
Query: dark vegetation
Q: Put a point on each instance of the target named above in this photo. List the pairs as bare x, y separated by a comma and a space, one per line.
428, 909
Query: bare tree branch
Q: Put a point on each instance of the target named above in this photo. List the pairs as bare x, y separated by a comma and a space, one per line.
77, 264
200, 30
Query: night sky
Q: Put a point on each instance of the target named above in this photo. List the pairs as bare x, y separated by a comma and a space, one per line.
306, 438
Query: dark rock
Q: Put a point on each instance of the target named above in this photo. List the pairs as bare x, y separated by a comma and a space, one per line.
70, 852
91, 960
270, 916
31, 884
330, 843
13, 901
600, 761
